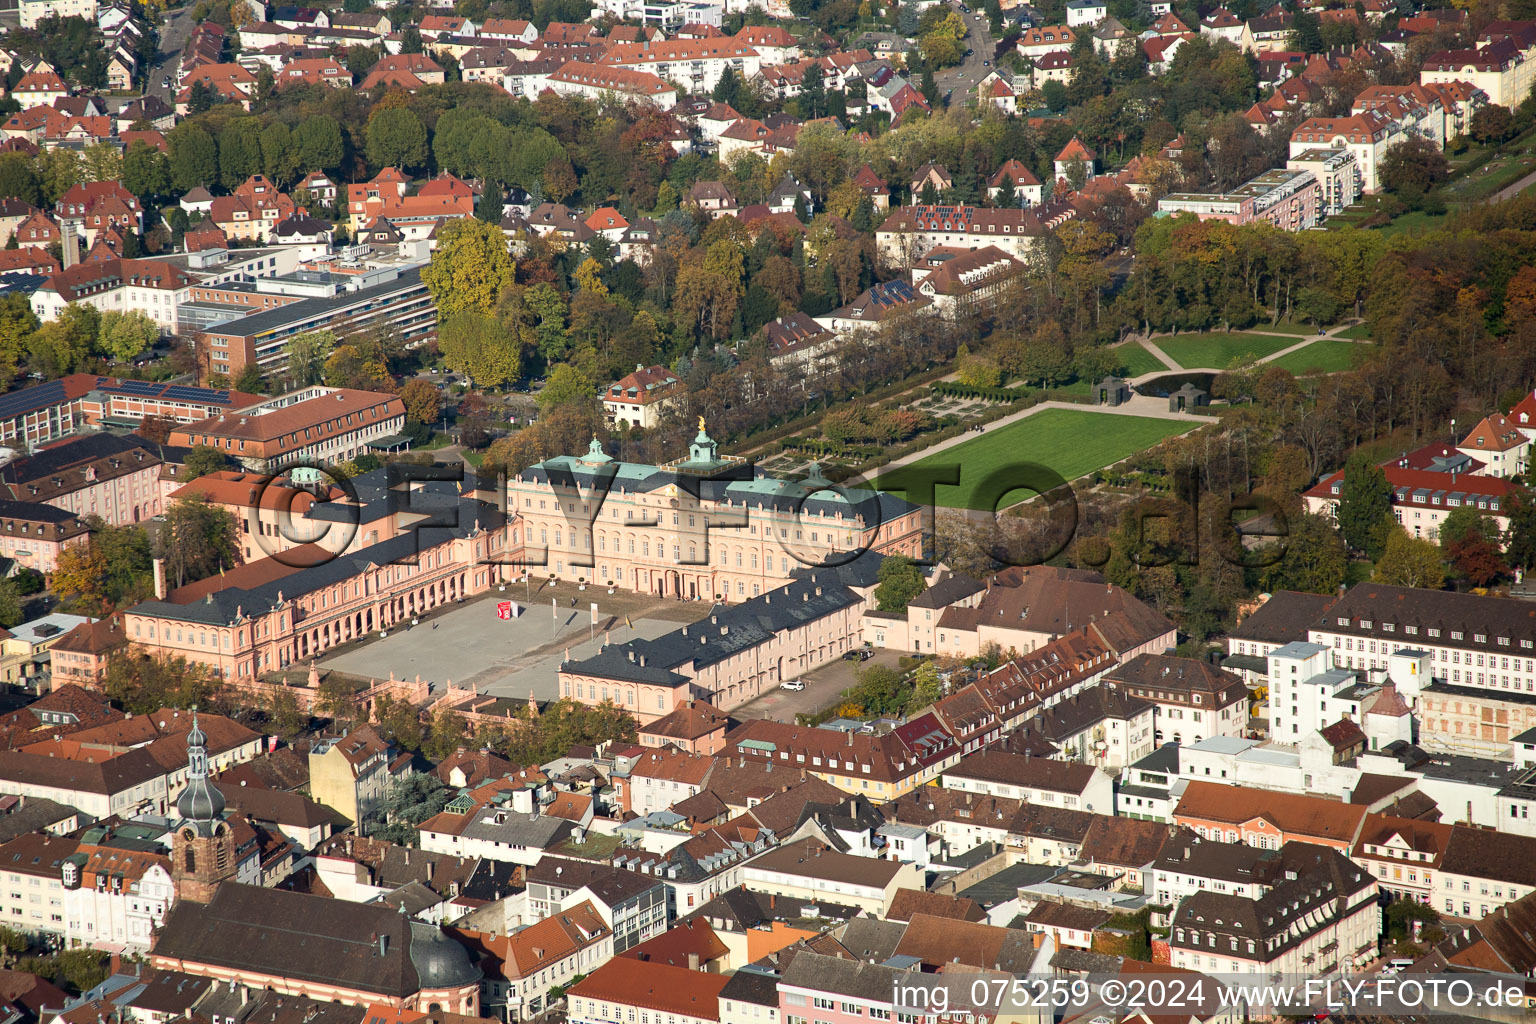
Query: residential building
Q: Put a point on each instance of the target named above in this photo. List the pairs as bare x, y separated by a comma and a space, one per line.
1421, 499
1322, 920
878, 767
595, 82
33, 534
1267, 819
641, 398
1338, 177
1482, 871
1035, 780
523, 967
1192, 699
113, 477
697, 64
739, 653
1501, 446
352, 774
910, 231
83, 655
623, 986
1106, 726
1288, 199
1404, 855
1368, 136
632, 905
32, 893
398, 300
810, 870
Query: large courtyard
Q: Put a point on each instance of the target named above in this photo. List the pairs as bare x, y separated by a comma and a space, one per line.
470, 645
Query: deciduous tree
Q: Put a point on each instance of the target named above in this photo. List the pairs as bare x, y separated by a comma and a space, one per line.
470, 268
1410, 562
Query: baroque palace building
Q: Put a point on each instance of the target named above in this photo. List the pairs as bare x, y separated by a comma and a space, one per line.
438, 546
706, 527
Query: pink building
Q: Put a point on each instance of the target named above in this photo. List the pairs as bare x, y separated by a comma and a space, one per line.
1286, 198
115, 478
739, 652
33, 534
706, 527
267, 614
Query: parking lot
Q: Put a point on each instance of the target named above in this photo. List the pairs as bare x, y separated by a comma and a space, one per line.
822, 687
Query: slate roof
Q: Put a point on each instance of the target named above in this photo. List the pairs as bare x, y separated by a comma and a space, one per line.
853, 978
1286, 616
222, 606
308, 938
727, 631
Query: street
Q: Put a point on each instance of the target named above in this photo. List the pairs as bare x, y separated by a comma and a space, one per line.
822, 686
961, 80
173, 36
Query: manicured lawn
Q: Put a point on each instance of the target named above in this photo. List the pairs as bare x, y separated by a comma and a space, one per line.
1326, 356
1067, 441
1413, 222
1283, 327
1136, 360
1359, 332
1215, 351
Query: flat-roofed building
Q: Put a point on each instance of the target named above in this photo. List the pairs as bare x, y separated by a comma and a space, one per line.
313, 425
402, 303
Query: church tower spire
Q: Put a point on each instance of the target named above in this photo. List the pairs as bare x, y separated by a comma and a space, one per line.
203, 847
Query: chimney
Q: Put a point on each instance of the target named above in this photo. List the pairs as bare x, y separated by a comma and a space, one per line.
693, 961
158, 566
70, 243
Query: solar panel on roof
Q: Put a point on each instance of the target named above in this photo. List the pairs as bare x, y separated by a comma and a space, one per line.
137, 387
188, 394
27, 399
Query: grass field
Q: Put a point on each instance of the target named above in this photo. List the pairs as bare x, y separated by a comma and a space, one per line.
1070, 442
1326, 356
1136, 360
1359, 332
1216, 350
1284, 327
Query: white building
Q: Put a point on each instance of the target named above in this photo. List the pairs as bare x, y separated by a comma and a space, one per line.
1320, 918
1086, 12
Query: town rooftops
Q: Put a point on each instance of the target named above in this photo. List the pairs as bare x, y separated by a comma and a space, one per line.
1296, 814
351, 946
654, 986
809, 858
1285, 617
1024, 771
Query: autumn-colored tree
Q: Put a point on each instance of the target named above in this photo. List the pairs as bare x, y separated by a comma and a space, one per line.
350, 367
422, 400
470, 269
1476, 558
706, 300
82, 577
156, 428
198, 539
480, 347
1410, 562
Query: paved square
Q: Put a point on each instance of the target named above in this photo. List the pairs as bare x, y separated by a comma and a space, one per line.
468, 644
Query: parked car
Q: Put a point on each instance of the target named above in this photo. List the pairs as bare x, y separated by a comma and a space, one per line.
792, 684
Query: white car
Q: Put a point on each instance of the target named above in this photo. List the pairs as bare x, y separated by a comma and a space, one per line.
791, 684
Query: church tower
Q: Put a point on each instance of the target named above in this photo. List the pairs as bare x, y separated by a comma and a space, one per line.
203, 848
